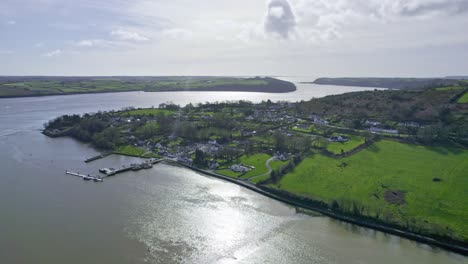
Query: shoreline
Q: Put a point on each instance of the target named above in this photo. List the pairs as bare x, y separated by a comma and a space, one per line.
463, 250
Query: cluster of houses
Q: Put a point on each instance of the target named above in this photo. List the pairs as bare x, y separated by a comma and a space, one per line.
282, 156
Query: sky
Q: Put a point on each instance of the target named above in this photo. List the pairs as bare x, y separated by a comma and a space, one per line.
381, 38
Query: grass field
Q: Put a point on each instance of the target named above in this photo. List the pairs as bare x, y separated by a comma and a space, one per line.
363, 178
354, 142
130, 151
463, 99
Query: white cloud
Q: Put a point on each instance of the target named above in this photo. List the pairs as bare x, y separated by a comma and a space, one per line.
53, 53
85, 43
11, 22
39, 45
128, 35
177, 33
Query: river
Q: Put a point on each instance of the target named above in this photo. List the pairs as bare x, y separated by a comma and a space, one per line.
163, 215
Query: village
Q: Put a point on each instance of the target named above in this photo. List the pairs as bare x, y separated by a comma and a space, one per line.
219, 136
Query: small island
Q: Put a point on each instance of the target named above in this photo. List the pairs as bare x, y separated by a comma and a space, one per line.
382, 159
26, 86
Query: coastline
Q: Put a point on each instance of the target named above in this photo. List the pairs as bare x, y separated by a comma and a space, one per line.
294, 200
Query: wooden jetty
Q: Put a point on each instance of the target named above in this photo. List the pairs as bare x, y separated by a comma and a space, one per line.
84, 177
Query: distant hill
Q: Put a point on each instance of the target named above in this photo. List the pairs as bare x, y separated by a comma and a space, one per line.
457, 77
391, 83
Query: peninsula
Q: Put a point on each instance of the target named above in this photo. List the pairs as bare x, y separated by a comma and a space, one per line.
26, 86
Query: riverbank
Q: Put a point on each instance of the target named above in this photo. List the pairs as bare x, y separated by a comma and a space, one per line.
297, 201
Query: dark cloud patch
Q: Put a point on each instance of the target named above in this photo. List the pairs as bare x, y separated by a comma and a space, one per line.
445, 6
280, 18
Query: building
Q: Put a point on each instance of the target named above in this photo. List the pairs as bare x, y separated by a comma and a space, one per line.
372, 123
382, 130
340, 138
239, 168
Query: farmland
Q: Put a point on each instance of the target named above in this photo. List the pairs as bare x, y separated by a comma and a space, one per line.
463, 99
431, 181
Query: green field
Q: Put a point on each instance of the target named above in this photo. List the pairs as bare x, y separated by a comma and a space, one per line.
463, 99
354, 142
363, 178
130, 151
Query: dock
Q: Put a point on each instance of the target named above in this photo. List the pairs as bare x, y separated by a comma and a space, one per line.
135, 167
97, 157
85, 177
111, 172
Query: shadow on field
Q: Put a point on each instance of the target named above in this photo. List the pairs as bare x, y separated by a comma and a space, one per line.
373, 148
445, 150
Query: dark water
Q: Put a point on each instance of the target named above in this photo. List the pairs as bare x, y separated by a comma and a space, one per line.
164, 215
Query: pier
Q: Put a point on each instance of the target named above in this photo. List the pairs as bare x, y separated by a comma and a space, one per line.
97, 157
135, 167
108, 172
85, 177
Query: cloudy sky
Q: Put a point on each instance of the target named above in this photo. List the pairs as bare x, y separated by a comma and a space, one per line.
242, 37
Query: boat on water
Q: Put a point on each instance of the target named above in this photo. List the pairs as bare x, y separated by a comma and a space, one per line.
106, 171
87, 178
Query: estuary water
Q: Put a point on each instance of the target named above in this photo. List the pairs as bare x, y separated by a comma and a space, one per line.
163, 215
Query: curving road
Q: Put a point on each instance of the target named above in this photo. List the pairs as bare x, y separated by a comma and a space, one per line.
267, 164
